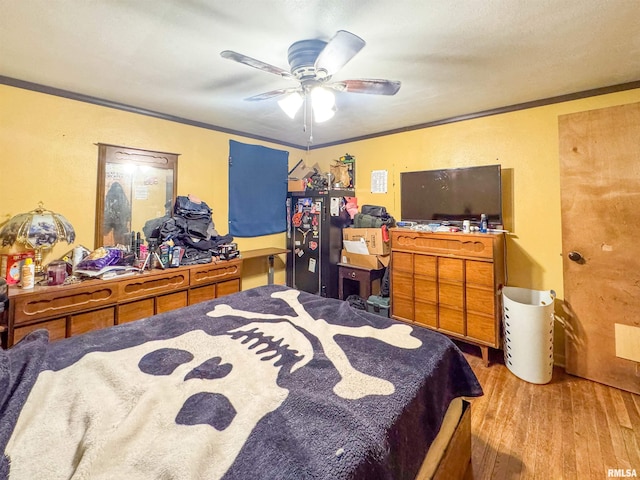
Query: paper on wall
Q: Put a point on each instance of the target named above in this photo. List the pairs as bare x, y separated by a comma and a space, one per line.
379, 181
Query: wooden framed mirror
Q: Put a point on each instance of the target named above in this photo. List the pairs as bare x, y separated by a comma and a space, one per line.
134, 186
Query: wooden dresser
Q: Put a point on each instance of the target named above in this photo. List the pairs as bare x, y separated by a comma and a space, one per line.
450, 282
69, 310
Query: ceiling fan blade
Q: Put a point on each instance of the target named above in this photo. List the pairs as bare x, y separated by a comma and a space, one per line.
340, 49
372, 86
271, 94
252, 62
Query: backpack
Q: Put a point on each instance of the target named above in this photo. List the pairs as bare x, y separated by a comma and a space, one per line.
362, 220
357, 302
375, 211
373, 216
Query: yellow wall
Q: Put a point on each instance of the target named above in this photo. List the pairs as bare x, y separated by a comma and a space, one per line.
525, 143
49, 155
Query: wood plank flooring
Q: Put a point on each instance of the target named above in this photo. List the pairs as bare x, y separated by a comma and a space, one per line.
570, 428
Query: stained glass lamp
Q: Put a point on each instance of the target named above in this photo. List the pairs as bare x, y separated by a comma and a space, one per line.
39, 229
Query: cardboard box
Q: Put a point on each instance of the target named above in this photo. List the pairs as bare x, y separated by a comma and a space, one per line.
372, 262
297, 185
371, 236
301, 171
11, 265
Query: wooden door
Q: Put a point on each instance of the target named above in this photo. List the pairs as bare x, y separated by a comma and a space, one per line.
600, 198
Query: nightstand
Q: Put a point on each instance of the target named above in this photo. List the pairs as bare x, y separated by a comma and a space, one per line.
355, 280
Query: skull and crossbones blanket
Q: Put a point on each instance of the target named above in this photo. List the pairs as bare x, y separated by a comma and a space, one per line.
269, 383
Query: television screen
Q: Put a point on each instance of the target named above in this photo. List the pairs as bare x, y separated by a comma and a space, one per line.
452, 195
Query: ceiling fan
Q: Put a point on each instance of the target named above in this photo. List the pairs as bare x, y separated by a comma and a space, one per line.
312, 63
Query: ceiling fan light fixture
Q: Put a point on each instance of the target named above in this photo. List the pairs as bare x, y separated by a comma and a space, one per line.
323, 104
291, 104
313, 63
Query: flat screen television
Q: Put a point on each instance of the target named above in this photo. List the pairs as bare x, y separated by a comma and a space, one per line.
452, 195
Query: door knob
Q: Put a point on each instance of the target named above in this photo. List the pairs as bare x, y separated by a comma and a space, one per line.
576, 257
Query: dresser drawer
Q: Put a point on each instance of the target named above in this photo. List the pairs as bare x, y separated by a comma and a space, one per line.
211, 272
426, 313
57, 329
402, 262
482, 327
402, 307
171, 301
49, 302
129, 312
425, 265
444, 243
480, 273
227, 288
451, 269
451, 293
202, 294
402, 283
153, 284
480, 299
95, 320
426, 289
356, 274
451, 320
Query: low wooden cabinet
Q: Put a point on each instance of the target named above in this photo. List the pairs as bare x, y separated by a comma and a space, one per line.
69, 310
366, 281
449, 282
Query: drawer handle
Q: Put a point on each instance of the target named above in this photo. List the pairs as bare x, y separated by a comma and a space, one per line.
353, 274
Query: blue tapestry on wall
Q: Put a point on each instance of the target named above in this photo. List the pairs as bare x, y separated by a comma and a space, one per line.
257, 190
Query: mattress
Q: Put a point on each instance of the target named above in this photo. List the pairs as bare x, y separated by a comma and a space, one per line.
441, 442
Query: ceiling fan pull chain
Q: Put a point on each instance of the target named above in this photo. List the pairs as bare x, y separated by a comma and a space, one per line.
309, 113
304, 114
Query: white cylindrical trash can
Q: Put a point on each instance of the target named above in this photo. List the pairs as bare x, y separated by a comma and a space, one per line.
527, 323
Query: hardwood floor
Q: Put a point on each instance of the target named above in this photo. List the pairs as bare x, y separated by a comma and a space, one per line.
570, 428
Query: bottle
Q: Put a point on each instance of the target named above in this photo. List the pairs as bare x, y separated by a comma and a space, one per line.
483, 223
28, 273
138, 244
77, 257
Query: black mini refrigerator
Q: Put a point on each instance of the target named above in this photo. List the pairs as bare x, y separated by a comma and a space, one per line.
314, 239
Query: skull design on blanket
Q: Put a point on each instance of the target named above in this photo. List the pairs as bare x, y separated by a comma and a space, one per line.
121, 414
353, 384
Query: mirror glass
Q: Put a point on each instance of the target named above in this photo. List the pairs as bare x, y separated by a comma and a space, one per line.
134, 186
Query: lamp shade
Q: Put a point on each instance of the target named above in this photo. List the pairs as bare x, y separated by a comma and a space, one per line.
323, 103
38, 229
291, 104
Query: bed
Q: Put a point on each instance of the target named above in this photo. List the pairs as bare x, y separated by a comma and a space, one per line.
269, 383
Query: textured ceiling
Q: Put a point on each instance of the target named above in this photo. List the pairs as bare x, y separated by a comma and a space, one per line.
453, 57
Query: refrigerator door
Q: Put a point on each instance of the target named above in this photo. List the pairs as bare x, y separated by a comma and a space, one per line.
306, 232
314, 240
